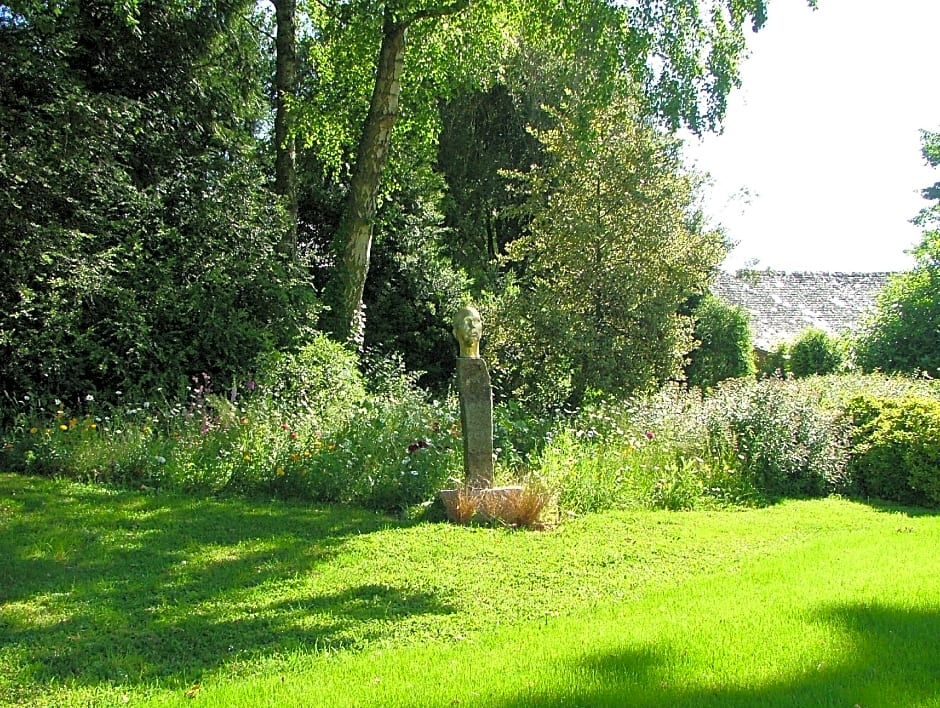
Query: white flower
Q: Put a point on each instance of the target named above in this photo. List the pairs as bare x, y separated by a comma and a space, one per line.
89, 398
161, 460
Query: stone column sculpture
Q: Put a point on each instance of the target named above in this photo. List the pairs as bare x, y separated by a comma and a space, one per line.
476, 400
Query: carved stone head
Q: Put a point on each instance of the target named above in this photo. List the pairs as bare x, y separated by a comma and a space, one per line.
468, 329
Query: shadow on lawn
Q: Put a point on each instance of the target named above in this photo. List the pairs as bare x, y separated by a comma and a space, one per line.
899, 509
896, 662
98, 586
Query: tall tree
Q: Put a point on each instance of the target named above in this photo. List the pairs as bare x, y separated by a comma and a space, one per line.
679, 59
285, 139
614, 248
354, 237
135, 223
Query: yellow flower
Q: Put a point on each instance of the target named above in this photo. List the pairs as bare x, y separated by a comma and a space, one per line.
33, 431
318, 444
280, 471
243, 421
73, 422
294, 457
247, 458
63, 427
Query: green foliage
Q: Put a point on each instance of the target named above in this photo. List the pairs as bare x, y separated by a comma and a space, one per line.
483, 138
780, 439
896, 448
929, 217
814, 352
724, 349
602, 275
413, 287
743, 442
776, 362
304, 428
137, 234
903, 335
320, 382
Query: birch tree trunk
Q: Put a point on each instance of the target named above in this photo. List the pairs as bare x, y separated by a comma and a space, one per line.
354, 236
285, 143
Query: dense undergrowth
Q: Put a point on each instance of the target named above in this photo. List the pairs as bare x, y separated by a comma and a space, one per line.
308, 429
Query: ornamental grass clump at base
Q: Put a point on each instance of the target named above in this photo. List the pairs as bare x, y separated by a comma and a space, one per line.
520, 505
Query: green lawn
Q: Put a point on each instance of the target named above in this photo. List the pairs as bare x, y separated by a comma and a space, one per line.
138, 598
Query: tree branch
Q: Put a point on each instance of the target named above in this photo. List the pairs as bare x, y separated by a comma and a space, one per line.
258, 28
437, 11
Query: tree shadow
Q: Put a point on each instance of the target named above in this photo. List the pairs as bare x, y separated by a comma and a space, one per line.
891, 507
895, 662
104, 586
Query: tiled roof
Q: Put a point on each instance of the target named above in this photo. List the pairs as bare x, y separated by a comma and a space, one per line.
782, 305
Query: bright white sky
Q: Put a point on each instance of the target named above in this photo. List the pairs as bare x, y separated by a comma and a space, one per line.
819, 166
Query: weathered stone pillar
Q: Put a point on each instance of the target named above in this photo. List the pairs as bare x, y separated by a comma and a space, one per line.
476, 420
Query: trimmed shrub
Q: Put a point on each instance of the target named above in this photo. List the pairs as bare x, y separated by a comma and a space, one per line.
725, 349
815, 353
896, 448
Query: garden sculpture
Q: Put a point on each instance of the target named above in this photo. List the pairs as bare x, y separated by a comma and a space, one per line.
476, 400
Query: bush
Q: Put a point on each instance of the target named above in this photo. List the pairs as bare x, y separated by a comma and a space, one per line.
724, 349
896, 448
321, 380
815, 353
904, 333
782, 440
304, 429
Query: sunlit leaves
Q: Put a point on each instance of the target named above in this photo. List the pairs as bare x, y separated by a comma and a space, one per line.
613, 248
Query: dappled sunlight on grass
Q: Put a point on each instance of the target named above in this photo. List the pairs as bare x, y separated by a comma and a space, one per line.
106, 594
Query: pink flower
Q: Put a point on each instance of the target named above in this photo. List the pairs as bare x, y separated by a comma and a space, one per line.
649, 434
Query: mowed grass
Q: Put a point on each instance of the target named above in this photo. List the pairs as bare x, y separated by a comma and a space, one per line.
136, 598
